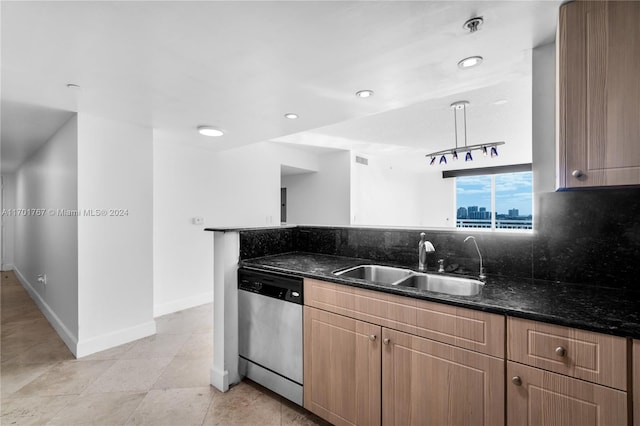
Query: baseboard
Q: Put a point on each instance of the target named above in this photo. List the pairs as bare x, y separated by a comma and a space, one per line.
86, 346
65, 334
115, 338
7, 267
182, 304
219, 379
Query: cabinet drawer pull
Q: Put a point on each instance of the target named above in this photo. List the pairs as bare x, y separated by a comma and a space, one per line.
373, 337
560, 351
516, 380
386, 341
577, 173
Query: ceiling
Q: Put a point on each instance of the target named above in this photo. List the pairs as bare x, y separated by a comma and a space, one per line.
240, 66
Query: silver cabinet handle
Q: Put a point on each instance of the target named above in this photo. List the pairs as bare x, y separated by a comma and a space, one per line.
560, 351
373, 337
577, 173
386, 341
516, 380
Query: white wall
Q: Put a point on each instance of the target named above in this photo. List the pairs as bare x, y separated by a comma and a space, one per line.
8, 221
544, 118
294, 158
382, 195
439, 200
115, 253
247, 186
183, 188
230, 188
48, 244
322, 197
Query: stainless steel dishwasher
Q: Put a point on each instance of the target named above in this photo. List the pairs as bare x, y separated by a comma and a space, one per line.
270, 331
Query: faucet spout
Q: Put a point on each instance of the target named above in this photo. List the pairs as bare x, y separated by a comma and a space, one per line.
424, 247
482, 276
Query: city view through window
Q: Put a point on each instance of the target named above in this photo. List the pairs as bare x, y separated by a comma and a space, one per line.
509, 195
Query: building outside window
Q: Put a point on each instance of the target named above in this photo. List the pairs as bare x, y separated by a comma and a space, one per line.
496, 201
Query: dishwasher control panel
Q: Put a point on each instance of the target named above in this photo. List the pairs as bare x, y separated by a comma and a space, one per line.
277, 286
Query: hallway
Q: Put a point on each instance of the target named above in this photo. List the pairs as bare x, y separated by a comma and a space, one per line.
159, 380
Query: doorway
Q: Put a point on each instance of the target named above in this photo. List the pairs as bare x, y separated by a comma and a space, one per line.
283, 205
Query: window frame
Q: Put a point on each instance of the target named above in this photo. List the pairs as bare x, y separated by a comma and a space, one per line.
491, 171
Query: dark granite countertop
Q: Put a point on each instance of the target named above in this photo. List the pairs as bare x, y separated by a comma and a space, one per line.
601, 309
246, 228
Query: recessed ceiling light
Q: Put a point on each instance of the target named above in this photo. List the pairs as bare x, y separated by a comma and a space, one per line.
470, 62
291, 115
73, 86
500, 102
364, 93
210, 131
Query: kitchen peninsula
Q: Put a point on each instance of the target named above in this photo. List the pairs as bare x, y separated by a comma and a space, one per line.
513, 300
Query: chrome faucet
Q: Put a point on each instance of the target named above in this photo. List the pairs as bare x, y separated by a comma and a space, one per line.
424, 247
482, 276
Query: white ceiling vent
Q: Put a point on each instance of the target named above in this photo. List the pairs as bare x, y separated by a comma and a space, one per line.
362, 160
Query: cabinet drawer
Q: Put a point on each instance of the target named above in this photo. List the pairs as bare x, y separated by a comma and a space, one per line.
465, 328
539, 397
586, 355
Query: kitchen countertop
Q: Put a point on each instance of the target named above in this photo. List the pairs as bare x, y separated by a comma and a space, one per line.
601, 309
247, 228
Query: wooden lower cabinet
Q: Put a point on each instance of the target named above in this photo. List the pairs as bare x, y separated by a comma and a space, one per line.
357, 373
594, 357
342, 367
429, 383
539, 397
636, 382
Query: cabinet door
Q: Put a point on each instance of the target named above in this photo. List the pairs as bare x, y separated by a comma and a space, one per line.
599, 93
430, 383
539, 397
341, 368
636, 382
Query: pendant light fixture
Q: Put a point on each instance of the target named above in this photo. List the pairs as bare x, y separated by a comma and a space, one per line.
486, 148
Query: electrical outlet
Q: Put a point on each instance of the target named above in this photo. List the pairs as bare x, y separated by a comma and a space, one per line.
197, 220
42, 279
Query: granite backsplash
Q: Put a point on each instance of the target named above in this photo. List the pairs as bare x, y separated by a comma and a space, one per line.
589, 237
264, 242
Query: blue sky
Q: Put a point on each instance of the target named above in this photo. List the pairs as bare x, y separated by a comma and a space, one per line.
513, 190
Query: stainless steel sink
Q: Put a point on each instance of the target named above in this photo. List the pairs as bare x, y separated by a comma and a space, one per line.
376, 273
457, 286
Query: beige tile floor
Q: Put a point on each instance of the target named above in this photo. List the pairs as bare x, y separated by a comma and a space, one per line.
159, 380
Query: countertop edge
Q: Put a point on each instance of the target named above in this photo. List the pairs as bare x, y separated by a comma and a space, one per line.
245, 228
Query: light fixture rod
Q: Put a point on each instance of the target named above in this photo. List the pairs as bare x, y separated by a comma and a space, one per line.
466, 148
464, 110
455, 125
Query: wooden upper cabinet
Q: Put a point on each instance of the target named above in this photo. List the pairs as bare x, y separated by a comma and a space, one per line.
599, 94
342, 368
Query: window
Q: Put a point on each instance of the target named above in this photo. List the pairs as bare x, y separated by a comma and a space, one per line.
495, 201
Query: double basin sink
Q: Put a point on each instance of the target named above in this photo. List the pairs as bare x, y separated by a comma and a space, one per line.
388, 275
